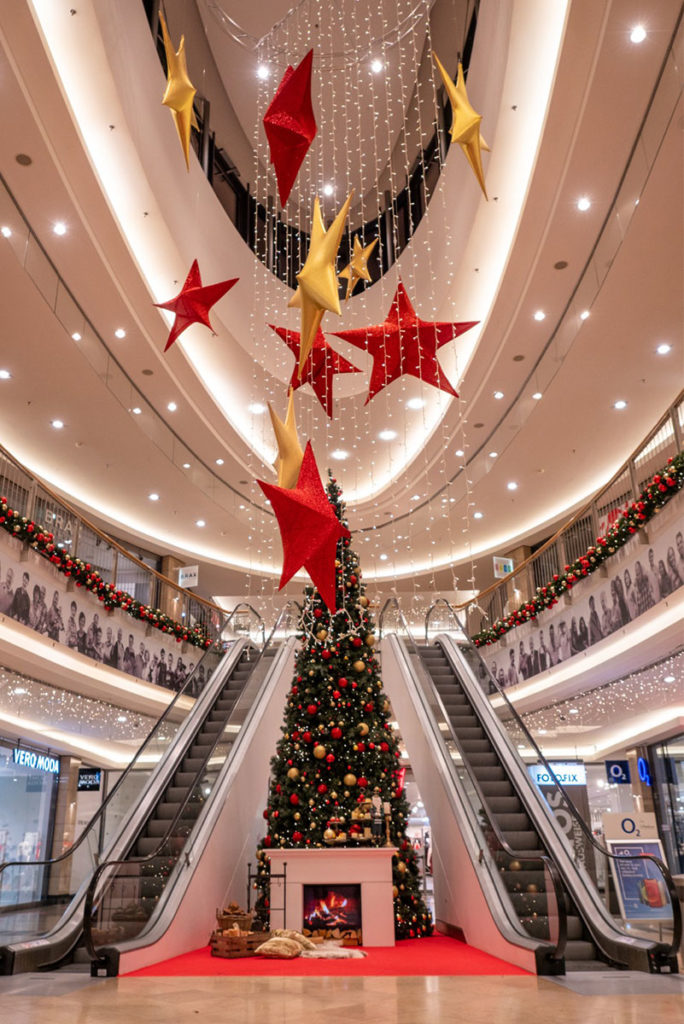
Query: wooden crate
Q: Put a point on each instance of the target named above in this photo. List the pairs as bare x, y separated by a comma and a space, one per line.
225, 920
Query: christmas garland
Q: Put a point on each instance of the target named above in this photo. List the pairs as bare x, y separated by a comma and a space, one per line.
83, 574
634, 516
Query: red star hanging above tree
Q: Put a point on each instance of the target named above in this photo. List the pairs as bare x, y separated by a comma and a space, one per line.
193, 302
320, 366
405, 344
309, 528
290, 125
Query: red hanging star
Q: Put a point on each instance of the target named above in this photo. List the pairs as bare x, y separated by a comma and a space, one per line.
193, 302
405, 344
321, 364
290, 125
309, 528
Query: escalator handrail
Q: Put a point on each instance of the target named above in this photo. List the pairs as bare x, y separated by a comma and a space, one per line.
662, 867
431, 609
117, 785
561, 941
261, 626
99, 871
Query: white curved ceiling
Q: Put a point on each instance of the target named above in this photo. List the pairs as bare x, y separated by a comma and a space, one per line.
136, 220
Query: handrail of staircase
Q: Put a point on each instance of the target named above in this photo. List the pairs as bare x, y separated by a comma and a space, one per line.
431, 609
261, 627
90, 895
671, 953
117, 785
501, 841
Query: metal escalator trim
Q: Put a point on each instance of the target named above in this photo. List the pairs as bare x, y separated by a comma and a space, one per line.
612, 942
174, 890
61, 939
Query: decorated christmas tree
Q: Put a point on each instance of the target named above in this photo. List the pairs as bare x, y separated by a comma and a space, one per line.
336, 768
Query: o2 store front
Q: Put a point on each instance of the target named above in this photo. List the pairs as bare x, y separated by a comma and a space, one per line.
29, 780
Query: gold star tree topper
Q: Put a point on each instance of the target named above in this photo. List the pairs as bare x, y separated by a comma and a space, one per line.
318, 289
180, 92
465, 122
290, 454
357, 268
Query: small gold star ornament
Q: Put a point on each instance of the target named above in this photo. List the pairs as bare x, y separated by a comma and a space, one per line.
465, 122
180, 92
357, 268
290, 452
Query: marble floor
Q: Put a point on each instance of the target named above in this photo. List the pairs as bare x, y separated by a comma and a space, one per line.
72, 998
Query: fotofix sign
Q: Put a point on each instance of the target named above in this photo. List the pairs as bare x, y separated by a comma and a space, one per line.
572, 776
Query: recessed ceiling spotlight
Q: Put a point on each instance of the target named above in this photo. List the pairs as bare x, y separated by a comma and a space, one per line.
171, 406
122, 718
19, 690
186, 465
5, 375
537, 395
119, 333
478, 515
583, 203
383, 558
153, 497
376, 66
498, 394
136, 410
57, 424
59, 227
219, 462
415, 403
540, 315
200, 522
620, 404
328, 189
415, 497
666, 679
387, 435
256, 408
459, 453
339, 454
638, 34
263, 72
493, 455
573, 711
663, 348
6, 232
512, 486
584, 315
76, 336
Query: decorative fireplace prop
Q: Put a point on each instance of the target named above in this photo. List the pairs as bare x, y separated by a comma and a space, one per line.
331, 907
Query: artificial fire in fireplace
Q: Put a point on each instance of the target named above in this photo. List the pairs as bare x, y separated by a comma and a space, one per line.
332, 906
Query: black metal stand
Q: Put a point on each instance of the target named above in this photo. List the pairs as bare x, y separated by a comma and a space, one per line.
253, 876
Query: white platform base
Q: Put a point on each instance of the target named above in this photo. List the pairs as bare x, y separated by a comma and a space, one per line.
371, 868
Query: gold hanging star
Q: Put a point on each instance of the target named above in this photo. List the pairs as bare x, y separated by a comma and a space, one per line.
180, 92
357, 268
465, 122
290, 452
318, 289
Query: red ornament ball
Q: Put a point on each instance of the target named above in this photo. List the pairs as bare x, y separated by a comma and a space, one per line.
307, 737
336, 733
362, 782
336, 694
294, 799
326, 655
357, 641
322, 788
369, 706
384, 746
267, 840
329, 758
317, 613
266, 813
312, 709
342, 682
297, 837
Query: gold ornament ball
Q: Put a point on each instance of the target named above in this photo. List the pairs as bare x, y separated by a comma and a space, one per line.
395, 891
532, 887
385, 706
319, 751
337, 563
297, 815
333, 795
328, 834
293, 773
401, 867
296, 746
350, 780
370, 640
359, 666
346, 792
363, 729
514, 865
363, 601
321, 634
311, 803
311, 671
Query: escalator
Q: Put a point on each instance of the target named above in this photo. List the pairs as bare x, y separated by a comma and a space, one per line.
177, 764
531, 882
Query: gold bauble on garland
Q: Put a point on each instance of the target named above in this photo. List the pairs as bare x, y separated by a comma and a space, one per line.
363, 601
319, 751
349, 780
363, 729
370, 640
401, 867
395, 891
321, 634
297, 815
293, 773
328, 835
359, 666
515, 865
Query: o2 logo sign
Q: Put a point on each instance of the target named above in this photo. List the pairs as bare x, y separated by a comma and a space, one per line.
644, 770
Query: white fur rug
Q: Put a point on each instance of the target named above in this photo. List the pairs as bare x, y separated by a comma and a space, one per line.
331, 951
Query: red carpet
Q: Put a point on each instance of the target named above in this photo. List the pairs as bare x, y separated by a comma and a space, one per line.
433, 956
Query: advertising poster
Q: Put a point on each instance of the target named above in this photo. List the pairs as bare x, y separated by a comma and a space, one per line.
573, 776
640, 886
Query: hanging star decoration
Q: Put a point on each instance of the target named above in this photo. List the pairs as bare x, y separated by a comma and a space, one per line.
290, 125
193, 302
309, 528
357, 268
465, 122
180, 92
321, 365
404, 344
317, 287
290, 452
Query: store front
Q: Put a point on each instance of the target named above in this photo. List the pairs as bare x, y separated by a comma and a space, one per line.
28, 791
667, 764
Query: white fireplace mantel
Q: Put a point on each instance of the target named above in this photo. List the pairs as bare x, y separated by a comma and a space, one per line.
371, 868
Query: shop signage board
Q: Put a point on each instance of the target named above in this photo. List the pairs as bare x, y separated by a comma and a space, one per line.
618, 773
573, 776
502, 566
89, 779
635, 825
36, 762
188, 576
640, 887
